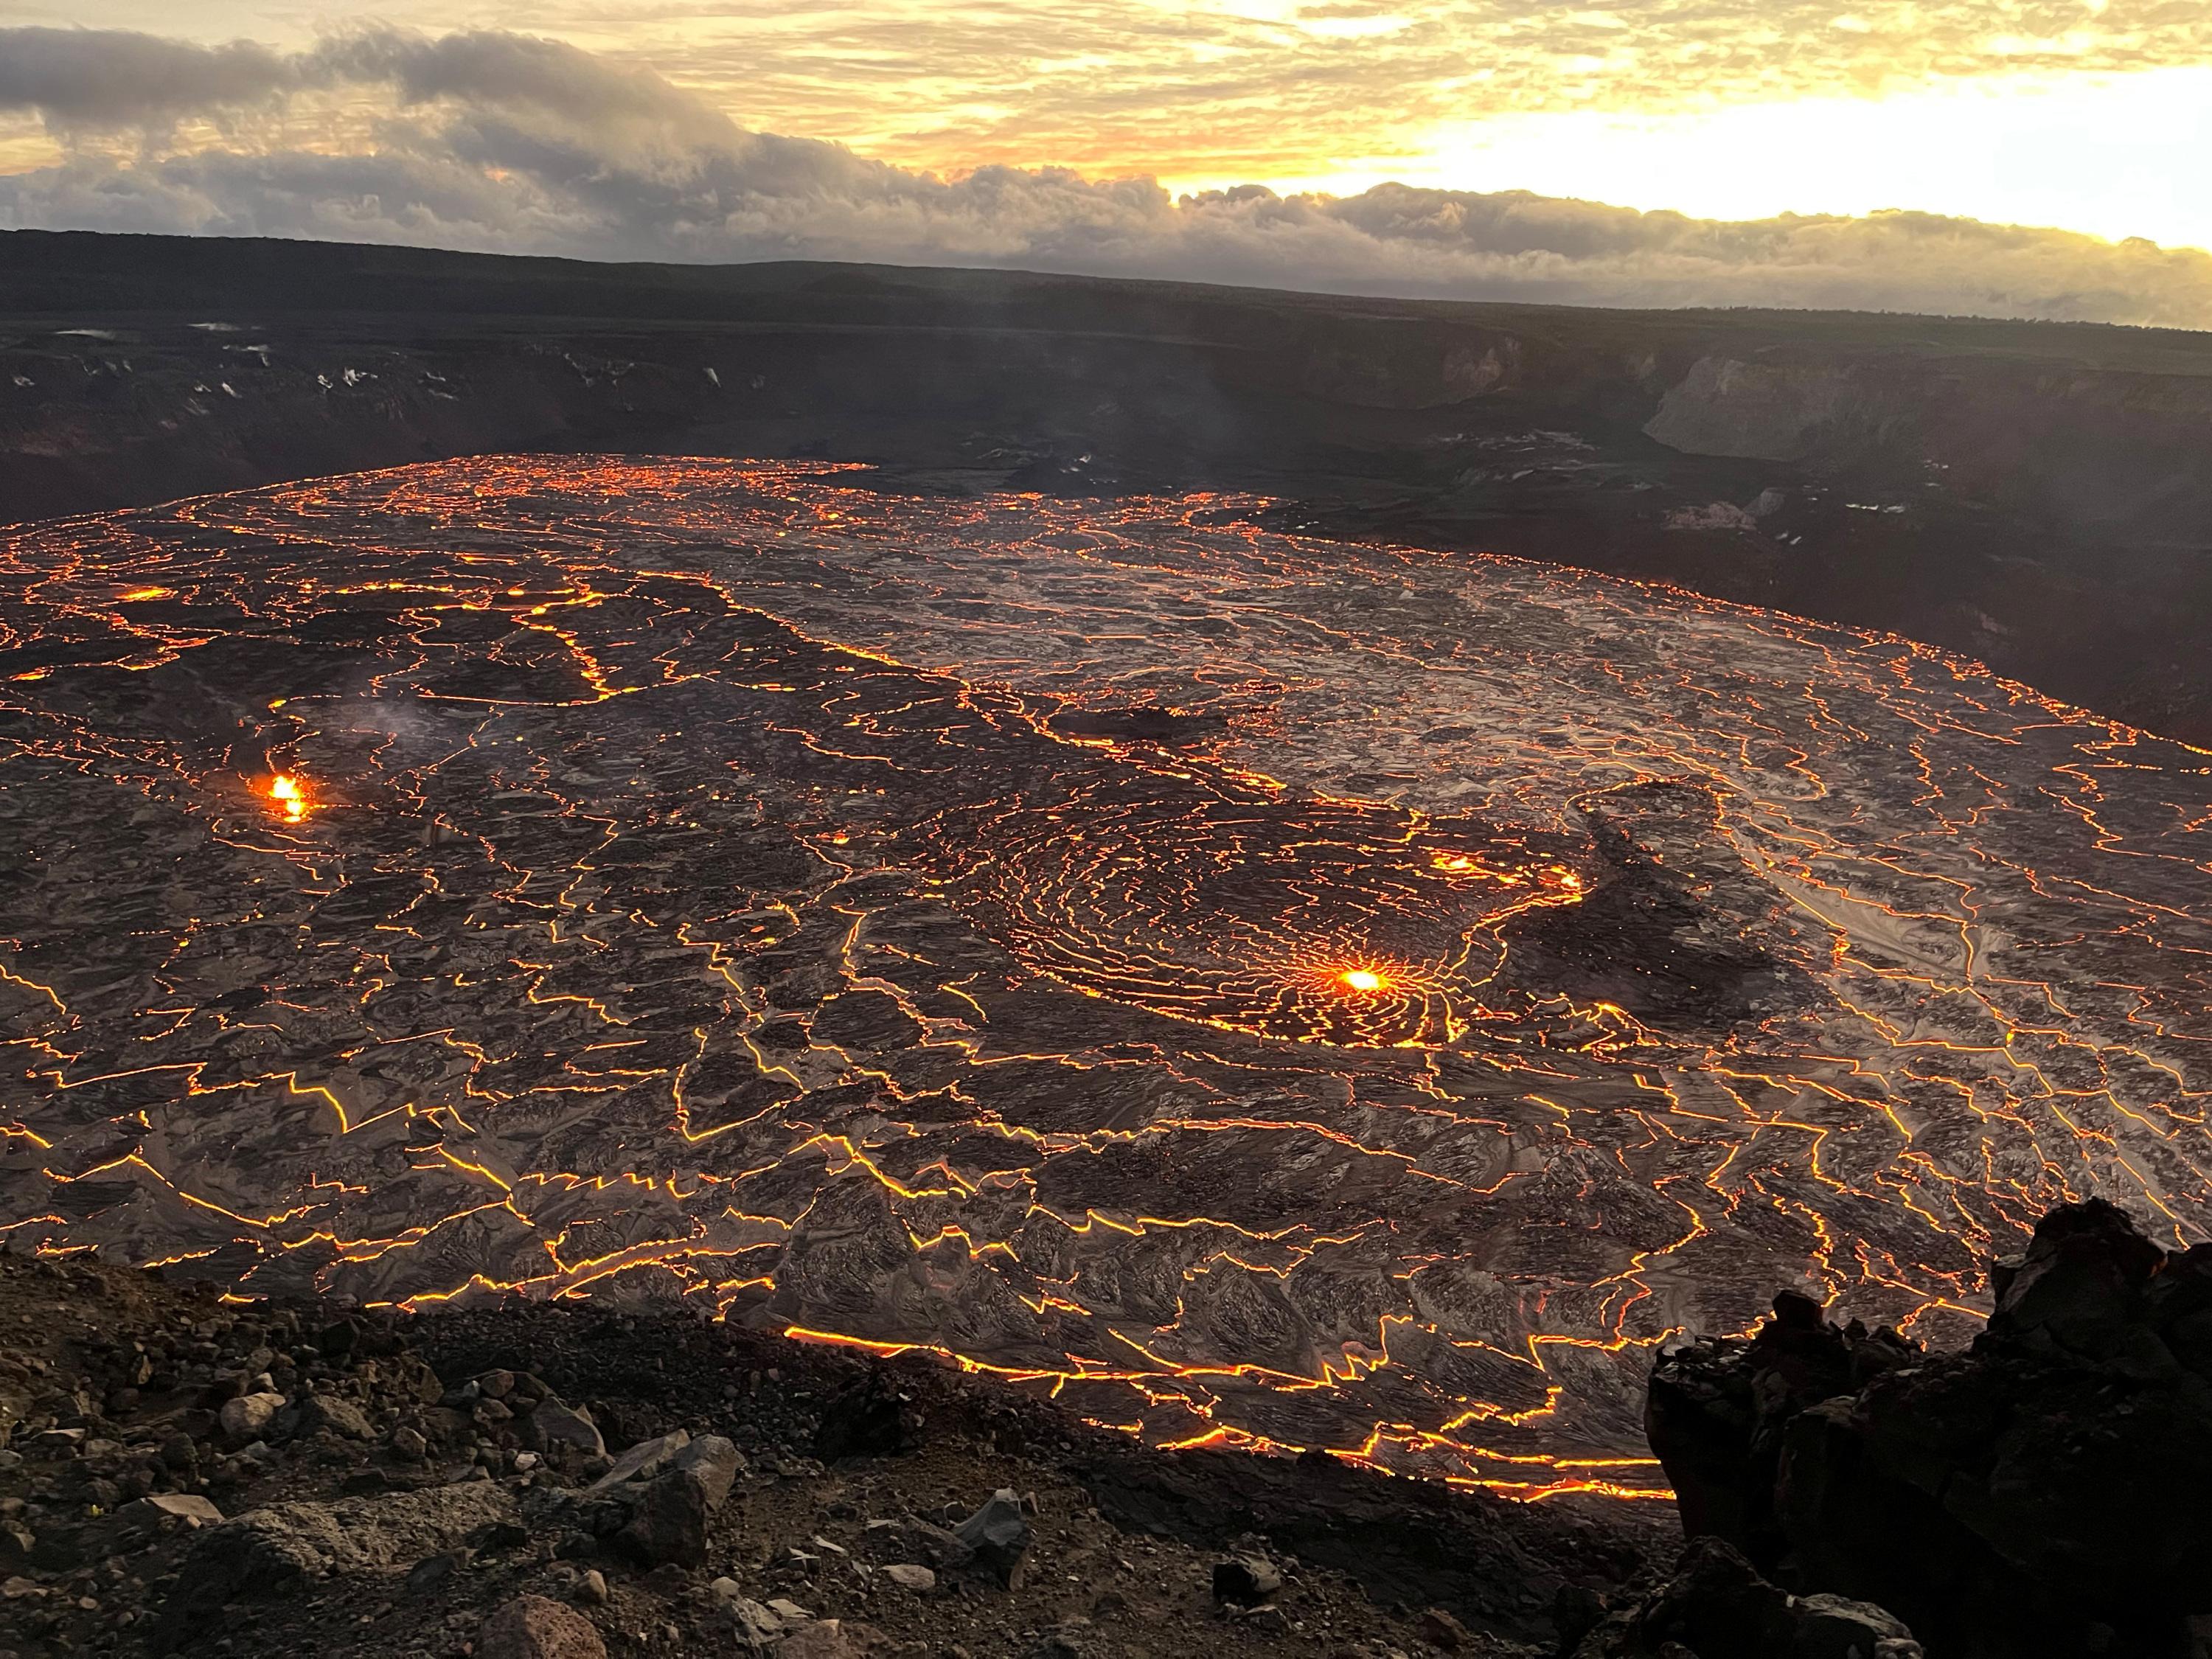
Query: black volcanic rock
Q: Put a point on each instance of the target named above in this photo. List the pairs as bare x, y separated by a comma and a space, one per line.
275, 1549
668, 1522
2040, 1494
1246, 1579
997, 1534
1717, 1410
1717, 1606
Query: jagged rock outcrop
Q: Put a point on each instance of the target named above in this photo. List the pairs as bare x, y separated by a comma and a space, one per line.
2042, 1494
1717, 1606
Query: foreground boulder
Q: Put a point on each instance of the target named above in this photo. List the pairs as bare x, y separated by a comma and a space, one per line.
275, 1551
656, 1504
997, 1534
1717, 1606
531, 1627
2041, 1494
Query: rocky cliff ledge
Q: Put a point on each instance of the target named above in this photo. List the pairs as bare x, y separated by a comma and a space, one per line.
2043, 1493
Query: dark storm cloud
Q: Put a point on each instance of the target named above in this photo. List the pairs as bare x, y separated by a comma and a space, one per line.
504, 143
105, 78
516, 71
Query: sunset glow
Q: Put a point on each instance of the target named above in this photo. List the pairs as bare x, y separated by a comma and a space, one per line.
1225, 140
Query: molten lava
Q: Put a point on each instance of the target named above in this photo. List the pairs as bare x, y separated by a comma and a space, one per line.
1262, 991
291, 799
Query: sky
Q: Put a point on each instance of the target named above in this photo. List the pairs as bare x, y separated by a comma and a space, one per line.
2017, 157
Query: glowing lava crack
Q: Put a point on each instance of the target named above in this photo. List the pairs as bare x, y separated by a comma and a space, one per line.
1263, 990
1173, 889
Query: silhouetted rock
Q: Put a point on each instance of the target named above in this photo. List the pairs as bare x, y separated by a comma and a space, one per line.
1715, 1412
2039, 1494
1717, 1606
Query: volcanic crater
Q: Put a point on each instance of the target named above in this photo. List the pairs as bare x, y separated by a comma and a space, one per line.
1260, 990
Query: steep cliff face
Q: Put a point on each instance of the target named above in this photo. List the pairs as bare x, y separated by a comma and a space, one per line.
1768, 411
2095, 452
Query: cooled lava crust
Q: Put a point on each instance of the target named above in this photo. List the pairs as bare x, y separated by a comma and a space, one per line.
1263, 991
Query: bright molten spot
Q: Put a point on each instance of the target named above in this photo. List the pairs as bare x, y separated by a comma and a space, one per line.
1362, 979
285, 789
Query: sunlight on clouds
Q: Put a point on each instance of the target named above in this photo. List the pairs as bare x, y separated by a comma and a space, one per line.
25, 145
1333, 23
2096, 154
2080, 113
502, 142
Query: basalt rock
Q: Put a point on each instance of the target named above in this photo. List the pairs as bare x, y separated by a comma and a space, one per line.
1717, 1606
531, 1627
997, 1534
327, 1413
1716, 1411
2041, 1494
555, 1428
887, 1542
274, 1550
668, 1522
658, 1501
1246, 1578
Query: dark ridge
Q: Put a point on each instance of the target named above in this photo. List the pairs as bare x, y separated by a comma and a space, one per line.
2037, 495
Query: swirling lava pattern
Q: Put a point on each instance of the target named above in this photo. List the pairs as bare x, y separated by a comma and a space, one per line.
1318, 922
1263, 991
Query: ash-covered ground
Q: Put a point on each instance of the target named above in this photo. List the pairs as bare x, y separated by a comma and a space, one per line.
1259, 990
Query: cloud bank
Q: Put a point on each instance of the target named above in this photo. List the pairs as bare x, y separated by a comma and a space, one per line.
503, 142
1287, 89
